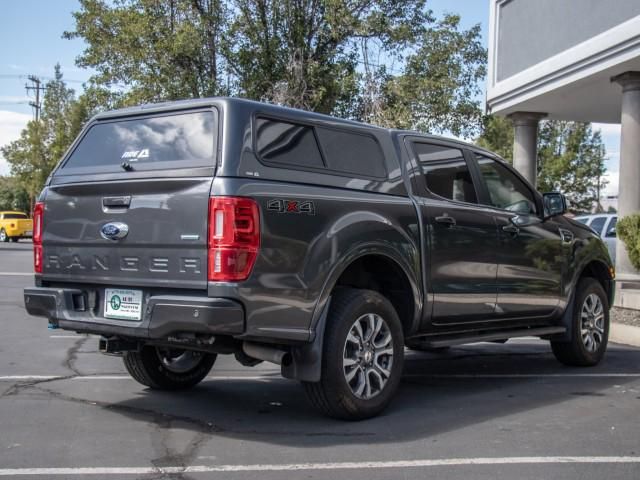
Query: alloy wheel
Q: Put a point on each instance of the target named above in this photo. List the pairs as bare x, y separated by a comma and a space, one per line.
368, 356
592, 322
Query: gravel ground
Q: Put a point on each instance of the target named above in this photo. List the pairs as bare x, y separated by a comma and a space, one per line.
626, 316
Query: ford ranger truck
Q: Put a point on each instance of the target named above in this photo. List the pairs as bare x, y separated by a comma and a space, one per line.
186, 230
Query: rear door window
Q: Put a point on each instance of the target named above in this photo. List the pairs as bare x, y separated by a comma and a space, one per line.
446, 172
14, 216
159, 142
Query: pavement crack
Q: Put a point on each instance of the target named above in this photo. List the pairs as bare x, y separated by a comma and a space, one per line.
72, 355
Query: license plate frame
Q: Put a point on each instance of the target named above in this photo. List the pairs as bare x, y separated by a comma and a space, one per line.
123, 304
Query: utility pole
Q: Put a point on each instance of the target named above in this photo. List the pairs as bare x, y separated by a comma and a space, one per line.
37, 87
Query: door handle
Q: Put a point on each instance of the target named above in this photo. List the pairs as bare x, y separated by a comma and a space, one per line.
446, 220
512, 229
118, 202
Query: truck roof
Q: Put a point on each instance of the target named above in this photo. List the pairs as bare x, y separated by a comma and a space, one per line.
230, 102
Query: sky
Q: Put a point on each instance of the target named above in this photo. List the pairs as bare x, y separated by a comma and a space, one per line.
31, 43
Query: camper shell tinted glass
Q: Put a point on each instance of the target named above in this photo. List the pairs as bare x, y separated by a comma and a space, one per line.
157, 142
290, 144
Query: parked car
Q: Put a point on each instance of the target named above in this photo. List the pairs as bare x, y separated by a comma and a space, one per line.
604, 224
185, 230
14, 226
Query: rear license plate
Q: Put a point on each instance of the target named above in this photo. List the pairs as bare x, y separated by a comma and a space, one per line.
28, 233
122, 304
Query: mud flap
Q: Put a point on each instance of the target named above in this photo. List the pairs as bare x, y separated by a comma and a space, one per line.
567, 322
307, 359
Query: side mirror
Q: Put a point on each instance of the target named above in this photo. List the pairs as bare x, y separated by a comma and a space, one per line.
554, 204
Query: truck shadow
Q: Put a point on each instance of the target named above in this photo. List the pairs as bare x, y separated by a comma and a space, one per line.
440, 393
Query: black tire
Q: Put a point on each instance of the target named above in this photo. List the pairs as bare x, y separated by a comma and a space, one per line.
14, 239
3, 235
147, 368
575, 352
333, 395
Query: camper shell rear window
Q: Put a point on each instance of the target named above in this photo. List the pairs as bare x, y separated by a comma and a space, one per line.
158, 142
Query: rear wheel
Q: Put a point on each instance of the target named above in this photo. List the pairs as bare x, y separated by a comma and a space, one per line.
590, 327
3, 235
168, 368
14, 239
363, 355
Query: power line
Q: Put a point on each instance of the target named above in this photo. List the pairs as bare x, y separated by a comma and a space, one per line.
20, 77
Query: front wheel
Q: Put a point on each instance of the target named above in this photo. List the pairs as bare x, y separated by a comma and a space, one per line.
589, 329
363, 355
168, 368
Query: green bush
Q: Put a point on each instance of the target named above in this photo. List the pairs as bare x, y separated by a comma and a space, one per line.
628, 230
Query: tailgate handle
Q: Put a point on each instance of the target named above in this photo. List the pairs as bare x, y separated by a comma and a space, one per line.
122, 202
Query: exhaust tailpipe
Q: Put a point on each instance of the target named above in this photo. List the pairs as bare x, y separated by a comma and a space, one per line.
267, 354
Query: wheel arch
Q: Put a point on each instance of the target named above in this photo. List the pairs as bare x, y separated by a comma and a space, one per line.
380, 269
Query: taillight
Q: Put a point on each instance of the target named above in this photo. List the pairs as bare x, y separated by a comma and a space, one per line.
38, 213
234, 238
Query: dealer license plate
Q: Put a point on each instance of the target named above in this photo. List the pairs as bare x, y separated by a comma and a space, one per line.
122, 304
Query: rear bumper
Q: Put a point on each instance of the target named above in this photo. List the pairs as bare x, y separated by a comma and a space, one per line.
164, 315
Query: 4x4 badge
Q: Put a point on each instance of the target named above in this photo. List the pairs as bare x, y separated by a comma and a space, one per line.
281, 205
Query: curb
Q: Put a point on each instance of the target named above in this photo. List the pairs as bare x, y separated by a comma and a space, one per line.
625, 334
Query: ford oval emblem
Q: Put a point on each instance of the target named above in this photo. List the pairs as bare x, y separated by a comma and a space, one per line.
114, 230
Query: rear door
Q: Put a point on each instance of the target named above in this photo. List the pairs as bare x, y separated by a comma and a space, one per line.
461, 234
128, 206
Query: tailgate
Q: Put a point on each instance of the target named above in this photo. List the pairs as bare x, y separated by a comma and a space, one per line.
25, 224
165, 244
143, 225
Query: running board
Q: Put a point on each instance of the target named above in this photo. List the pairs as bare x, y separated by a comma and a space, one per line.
491, 337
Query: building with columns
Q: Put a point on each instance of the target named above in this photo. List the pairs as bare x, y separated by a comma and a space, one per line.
575, 60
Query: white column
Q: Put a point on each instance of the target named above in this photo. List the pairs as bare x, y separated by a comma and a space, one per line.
525, 143
629, 183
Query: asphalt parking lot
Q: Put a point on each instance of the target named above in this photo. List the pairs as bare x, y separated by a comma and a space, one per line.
477, 412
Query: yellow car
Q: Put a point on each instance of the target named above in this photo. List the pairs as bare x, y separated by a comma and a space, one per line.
14, 226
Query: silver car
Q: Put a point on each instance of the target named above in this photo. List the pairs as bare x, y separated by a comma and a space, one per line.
604, 224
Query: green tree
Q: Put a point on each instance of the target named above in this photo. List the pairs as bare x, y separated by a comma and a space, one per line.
571, 160
387, 62
439, 88
153, 50
628, 229
497, 136
42, 143
12, 196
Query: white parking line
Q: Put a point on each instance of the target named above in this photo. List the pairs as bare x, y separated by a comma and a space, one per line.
17, 274
124, 377
276, 377
521, 375
441, 462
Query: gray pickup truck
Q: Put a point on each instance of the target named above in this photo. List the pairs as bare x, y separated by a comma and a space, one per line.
185, 230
